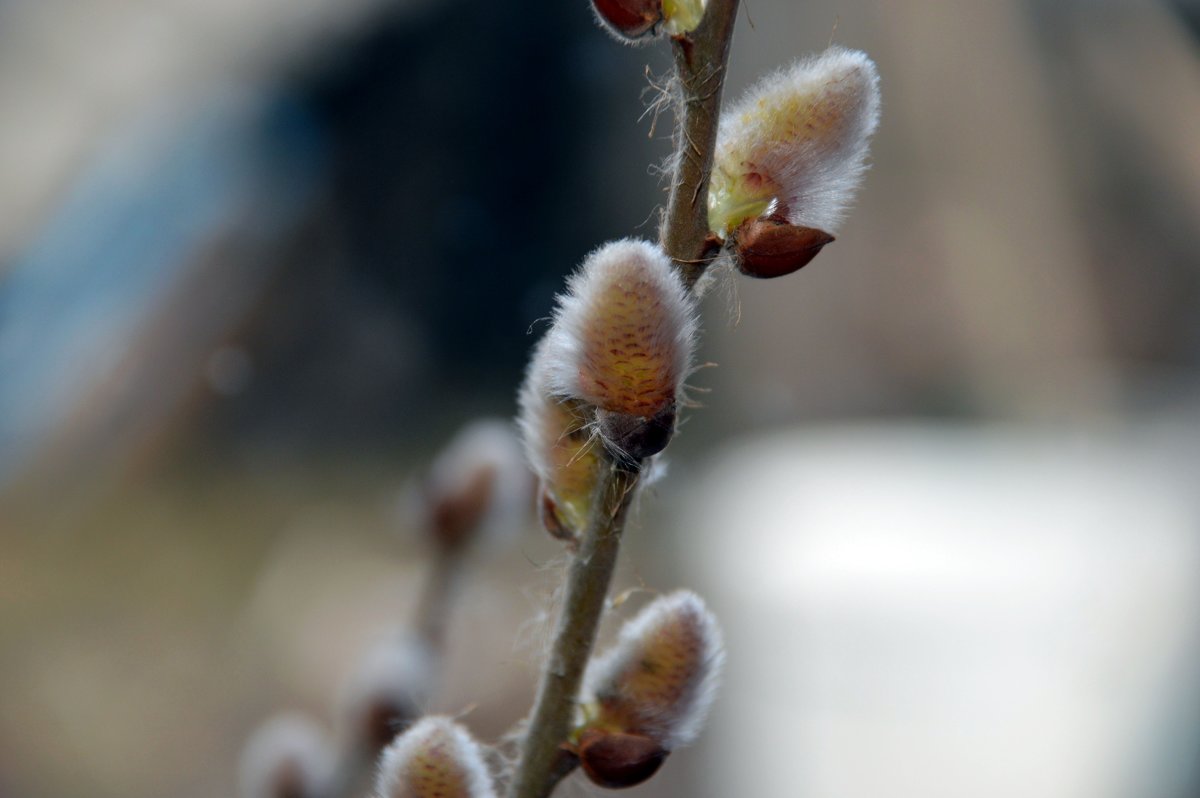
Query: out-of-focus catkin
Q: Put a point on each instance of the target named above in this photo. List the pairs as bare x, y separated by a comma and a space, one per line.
388, 689
289, 756
477, 491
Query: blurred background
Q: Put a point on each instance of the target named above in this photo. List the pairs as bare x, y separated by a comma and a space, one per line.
259, 260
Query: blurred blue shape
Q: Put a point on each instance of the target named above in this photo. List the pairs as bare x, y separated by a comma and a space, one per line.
127, 231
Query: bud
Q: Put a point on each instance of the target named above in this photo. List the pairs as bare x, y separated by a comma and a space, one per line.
682, 16
770, 247
616, 760
794, 149
622, 341
478, 487
651, 693
633, 20
628, 19
386, 692
436, 758
561, 448
289, 756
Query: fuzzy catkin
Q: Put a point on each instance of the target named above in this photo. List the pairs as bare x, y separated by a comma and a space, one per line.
436, 758
289, 755
477, 491
624, 333
389, 687
796, 143
660, 679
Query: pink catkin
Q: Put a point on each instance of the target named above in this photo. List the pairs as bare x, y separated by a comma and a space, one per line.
624, 333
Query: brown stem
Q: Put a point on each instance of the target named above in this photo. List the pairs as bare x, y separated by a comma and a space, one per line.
700, 59
437, 598
543, 762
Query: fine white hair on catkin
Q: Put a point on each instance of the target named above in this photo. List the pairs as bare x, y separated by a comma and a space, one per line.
626, 294
806, 128
535, 404
678, 631
435, 757
289, 753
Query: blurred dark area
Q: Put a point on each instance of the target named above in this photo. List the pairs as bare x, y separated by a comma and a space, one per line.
259, 260
366, 233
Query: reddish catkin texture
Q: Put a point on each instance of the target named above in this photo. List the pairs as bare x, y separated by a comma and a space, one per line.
790, 155
436, 758
622, 342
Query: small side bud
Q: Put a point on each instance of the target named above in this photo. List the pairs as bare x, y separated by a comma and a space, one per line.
794, 149
629, 19
478, 488
436, 758
636, 21
771, 247
289, 756
617, 760
623, 334
386, 692
660, 679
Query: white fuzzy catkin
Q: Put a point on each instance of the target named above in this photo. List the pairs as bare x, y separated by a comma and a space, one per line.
288, 755
661, 677
489, 448
624, 333
398, 674
797, 143
436, 758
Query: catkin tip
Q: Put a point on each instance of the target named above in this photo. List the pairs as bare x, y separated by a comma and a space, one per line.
436, 758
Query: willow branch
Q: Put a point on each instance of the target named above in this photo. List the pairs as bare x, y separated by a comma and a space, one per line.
437, 599
700, 61
543, 762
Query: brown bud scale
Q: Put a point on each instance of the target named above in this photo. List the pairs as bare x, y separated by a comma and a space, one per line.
771, 247
616, 760
631, 18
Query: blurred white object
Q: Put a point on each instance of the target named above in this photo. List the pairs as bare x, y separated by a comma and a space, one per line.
931, 611
389, 688
288, 755
479, 490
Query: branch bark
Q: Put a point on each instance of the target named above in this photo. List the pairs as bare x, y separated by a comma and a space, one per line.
543, 761
700, 61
